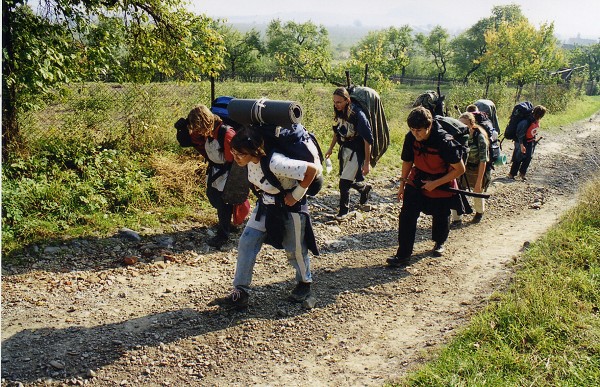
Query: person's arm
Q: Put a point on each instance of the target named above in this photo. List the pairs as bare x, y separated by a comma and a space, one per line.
480, 172
331, 146
406, 167
366, 168
455, 171
520, 134
298, 193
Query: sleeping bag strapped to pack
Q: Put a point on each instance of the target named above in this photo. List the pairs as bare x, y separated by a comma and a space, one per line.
279, 124
521, 111
370, 102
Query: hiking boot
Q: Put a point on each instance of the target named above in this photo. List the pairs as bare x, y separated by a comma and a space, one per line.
301, 292
342, 214
218, 241
395, 261
522, 176
365, 195
477, 217
238, 299
438, 249
512, 177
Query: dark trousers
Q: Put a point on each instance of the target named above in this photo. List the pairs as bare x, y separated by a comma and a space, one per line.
413, 204
224, 211
345, 186
520, 162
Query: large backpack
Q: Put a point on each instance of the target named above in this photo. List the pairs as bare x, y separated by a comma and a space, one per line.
279, 134
488, 107
370, 102
458, 130
431, 101
494, 145
521, 111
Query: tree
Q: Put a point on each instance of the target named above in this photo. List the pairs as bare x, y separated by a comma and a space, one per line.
437, 45
470, 46
385, 51
243, 50
64, 41
588, 56
522, 54
301, 50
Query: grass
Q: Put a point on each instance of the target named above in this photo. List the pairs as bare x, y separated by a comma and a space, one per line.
545, 329
103, 156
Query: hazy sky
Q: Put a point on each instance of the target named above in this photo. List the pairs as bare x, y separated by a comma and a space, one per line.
570, 17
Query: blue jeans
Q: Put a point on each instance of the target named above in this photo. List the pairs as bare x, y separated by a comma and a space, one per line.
296, 251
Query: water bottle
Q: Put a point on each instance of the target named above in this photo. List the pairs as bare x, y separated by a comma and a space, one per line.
328, 166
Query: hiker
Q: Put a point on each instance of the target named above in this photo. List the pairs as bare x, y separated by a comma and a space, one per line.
431, 159
279, 218
205, 128
353, 132
478, 175
525, 143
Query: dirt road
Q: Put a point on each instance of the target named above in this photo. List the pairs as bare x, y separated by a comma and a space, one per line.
79, 316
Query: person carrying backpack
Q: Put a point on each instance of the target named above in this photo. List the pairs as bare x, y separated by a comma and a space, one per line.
353, 132
525, 141
431, 161
279, 218
478, 174
212, 139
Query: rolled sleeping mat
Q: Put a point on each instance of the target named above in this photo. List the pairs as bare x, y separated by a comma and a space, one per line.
264, 111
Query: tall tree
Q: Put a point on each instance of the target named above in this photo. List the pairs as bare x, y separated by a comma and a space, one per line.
243, 50
588, 56
522, 54
437, 46
301, 49
49, 46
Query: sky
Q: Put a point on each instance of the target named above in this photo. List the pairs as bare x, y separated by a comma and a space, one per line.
571, 18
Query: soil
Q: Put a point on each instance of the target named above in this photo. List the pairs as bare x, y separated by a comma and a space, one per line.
77, 314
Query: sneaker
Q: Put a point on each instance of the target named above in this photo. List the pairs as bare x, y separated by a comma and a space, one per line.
217, 241
456, 223
477, 217
238, 299
301, 292
512, 177
365, 195
342, 214
395, 261
438, 249
522, 176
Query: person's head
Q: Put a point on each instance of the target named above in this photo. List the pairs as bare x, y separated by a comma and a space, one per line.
247, 145
341, 103
469, 119
539, 112
472, 108
201, 120
419, 122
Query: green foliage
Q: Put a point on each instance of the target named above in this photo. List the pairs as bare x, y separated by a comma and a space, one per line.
301, 49
542, 331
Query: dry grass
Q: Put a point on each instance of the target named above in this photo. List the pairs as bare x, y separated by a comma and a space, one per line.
182, 176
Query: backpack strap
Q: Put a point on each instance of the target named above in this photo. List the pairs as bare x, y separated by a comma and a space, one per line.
268, 174
222, 168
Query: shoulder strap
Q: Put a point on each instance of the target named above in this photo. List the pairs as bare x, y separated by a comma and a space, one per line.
221, 136
268, 174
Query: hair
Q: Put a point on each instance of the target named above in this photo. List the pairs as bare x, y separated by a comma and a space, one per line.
539, 112
249, 141
343, 92
201, 120
472, 108
472, 123
419, 118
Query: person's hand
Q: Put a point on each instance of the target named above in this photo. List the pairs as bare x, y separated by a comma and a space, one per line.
328, 153
523, 150
289, 199
429, 185
366, 168
478, 188
401, 192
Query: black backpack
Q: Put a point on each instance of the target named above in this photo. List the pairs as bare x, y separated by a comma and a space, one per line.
370, 102
521, 111
458, 130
